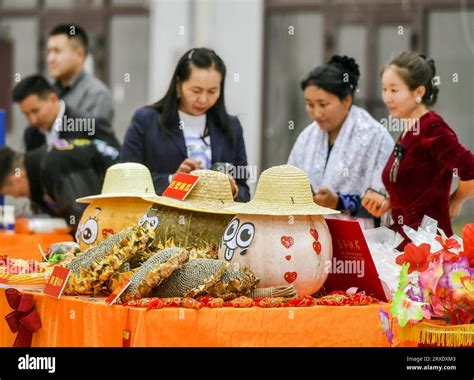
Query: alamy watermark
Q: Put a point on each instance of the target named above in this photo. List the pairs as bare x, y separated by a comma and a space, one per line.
246, 172
394, 124
336, 266
75, 124
30, 363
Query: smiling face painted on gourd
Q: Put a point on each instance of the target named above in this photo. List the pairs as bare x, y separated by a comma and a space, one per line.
108, 216
280, 250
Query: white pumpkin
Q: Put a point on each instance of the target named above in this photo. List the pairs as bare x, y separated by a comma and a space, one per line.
280, 250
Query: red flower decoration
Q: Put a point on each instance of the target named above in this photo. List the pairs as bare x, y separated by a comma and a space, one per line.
448, 243
446, 255
468, 242
417, 256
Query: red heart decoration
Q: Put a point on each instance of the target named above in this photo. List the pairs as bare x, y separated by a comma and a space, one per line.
317, 247
287, 241
288, 257
290, 277
314, 233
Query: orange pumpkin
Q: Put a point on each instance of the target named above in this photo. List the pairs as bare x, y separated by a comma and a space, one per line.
108, 216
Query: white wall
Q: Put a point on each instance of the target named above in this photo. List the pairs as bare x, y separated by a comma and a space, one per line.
234, 29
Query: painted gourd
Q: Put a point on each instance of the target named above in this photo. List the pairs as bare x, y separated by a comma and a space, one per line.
198, 232
108, 216
280, 250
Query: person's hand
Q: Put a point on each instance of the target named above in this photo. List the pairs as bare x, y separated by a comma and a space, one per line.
326, 198
455, 207
187, 166
374, 207
233, 185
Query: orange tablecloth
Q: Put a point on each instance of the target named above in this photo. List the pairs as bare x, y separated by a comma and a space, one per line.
25, 246
73, 321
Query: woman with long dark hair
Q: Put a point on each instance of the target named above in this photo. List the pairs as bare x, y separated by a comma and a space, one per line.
189, 128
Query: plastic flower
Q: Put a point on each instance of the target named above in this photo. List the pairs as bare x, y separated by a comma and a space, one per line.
405, 309
465, 292
386, 325
455, 274
429, 278
445, 256
468, 242
448, 243
416, 256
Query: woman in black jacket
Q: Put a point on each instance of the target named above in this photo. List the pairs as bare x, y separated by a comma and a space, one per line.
189, 127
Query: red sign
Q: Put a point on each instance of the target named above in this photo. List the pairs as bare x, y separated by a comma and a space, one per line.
181, 186
352, 264
57, 282
113, 297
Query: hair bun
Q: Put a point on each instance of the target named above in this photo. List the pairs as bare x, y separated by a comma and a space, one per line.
347, 63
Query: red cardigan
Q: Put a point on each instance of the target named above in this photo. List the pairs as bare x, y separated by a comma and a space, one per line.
425, 173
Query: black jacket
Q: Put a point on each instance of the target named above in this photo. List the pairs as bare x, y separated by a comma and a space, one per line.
65, 172
146, 144
33, 138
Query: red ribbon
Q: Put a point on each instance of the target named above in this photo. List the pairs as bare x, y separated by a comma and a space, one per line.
24, 320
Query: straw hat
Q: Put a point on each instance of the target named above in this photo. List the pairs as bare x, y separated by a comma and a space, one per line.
124, 180
282, 190
212, 194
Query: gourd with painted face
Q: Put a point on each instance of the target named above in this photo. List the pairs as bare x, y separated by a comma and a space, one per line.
198, 232
280, 250
106, 217
119, 205
281, 234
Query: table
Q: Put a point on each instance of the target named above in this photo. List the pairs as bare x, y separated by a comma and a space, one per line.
79, 322
25, 246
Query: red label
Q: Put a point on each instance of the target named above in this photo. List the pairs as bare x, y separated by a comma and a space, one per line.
181, 186
126, 335
57, 282
113, 297
352, 264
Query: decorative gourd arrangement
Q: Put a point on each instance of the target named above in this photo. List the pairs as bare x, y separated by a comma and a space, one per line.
281, 234
119, 206
196, 223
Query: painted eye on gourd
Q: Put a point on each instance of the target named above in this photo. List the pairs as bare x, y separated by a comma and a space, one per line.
90, 231
142, 220
153, 222
245, 235
231, 230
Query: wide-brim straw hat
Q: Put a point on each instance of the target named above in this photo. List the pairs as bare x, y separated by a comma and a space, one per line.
212, 194
282, 190
129, 179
